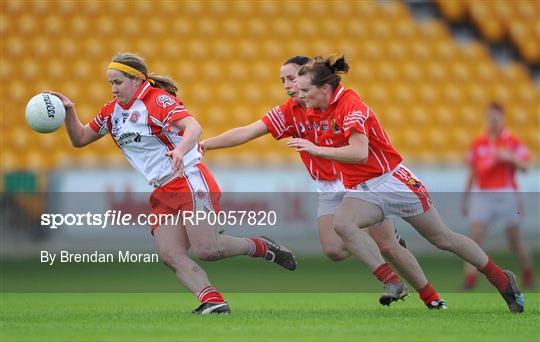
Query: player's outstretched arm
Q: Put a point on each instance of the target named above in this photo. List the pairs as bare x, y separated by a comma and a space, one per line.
79, 134
235, 136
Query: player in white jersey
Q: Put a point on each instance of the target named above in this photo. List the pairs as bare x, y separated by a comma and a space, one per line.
159, 137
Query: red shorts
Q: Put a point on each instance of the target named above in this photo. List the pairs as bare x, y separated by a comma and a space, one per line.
197, 190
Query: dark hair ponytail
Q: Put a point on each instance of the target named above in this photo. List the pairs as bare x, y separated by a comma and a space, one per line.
325, 70
338, 64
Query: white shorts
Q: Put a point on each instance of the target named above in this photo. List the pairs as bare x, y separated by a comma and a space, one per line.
495, 206
398, 193
330, 196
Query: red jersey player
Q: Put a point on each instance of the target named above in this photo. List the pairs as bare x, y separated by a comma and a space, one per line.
494, 158
379, 186
159, 137
290, 120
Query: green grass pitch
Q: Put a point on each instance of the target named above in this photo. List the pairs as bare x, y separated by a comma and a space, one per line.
263, 317
321, 300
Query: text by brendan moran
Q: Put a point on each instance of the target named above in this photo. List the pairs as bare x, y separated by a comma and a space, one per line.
97, 257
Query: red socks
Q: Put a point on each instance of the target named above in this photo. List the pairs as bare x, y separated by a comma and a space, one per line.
428, 294
470, 280
386, 275
257, 248
528, 278
209, 294
495, 275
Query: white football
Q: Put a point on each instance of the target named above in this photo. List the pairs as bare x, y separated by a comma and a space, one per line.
45, 113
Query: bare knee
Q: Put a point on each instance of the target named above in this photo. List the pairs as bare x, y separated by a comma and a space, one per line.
208, 253
172, 260
388, 248
443, 241
335, 253
343, 227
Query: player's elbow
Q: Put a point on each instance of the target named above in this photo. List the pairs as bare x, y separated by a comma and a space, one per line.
78, 143
358, 159
362, 160
358, 155
197, 129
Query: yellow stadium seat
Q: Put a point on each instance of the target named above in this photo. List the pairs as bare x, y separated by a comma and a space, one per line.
406, 30
292, 9
10, 160
397, 50
221, 49
363, 8
226, 56
282, 27
527, 94
271, 49
216, 8
329, 29
356, 28
434, 30
445, 116
183, 71
428, 94
268, 8
420, 51
380, 30
451, 92
460, 71
435, 71
180, 27
418, 116
404, 94
491, 29
518, 116
476, 93
461, 139
452, 9
470, 115
393, 116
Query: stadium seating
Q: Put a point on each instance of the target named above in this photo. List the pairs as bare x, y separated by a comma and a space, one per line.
429, 91
497, 20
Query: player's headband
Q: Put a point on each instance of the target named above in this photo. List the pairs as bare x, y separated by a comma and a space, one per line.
129, 70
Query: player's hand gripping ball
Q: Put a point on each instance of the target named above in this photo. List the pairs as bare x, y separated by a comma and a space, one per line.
45, 113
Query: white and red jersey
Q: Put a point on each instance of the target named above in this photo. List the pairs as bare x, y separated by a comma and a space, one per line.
290, 120
345, 113
142, 130
490, 173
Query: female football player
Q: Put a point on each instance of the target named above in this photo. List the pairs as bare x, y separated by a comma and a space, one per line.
289, 120
379, 186
159, 137
494, 157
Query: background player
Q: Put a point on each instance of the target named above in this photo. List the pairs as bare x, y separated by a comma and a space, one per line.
289, 120
379, 186
494, 157
159, 137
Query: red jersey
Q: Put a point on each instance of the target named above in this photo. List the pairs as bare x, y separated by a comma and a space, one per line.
346, 112
490, 173
290, 120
